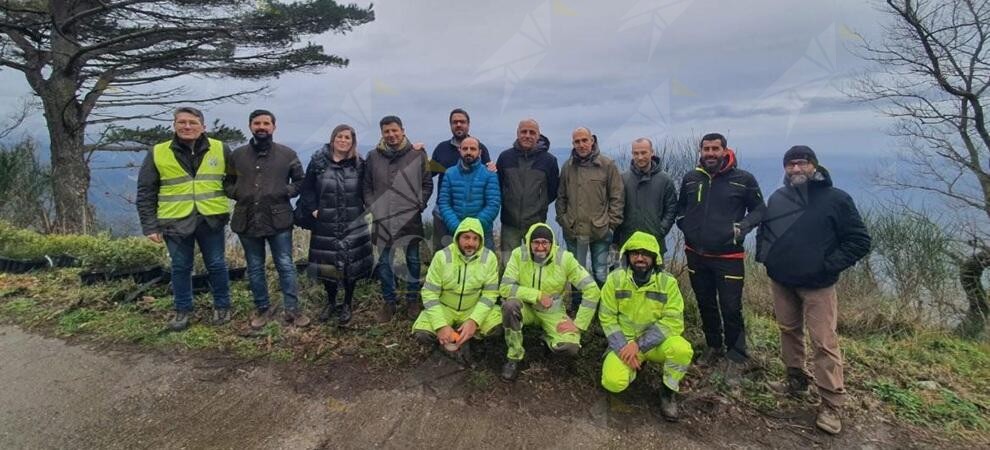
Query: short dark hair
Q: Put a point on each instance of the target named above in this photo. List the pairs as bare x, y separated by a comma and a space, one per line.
389, 119
261, 112
459, 111
189, 110
712, 137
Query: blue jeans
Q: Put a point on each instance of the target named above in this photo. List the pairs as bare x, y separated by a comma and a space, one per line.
388, 277
181, 251
599, 259
254, 253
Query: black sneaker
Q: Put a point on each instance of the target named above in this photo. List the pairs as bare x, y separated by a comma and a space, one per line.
510, 371
328, 311
179, 322
344, 314
710, 357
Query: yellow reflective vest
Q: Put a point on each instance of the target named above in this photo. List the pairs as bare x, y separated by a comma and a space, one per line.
179, 194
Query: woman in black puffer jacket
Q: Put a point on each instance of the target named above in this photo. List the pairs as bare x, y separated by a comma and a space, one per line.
340, 244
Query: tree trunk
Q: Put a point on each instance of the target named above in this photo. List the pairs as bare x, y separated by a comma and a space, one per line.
70, 171
970, 275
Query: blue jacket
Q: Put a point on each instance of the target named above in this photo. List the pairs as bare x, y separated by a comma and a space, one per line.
469, 192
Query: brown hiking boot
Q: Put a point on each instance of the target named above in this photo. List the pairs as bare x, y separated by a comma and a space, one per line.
792, 386
261, 318
385, 314
828, 419
297, 319
413, 310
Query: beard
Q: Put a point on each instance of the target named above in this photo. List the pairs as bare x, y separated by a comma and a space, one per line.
711, 164
262, 135
468, 160
796, 180
540, 257
469, 252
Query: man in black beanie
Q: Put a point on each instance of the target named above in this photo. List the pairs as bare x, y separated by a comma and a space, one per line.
811, 233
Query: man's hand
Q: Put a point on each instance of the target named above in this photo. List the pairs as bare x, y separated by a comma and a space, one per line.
546, 301
155, 237
467, 330
736, 231
567, 326
419, 146
629, 355
444, 335
316, 213
491, 167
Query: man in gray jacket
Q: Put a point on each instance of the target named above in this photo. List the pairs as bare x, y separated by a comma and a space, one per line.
265, 176
651, 199
397, 187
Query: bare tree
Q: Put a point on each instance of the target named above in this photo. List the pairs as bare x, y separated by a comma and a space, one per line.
932, 74
104, 61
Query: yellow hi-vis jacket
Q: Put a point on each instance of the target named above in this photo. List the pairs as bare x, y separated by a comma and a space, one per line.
459, 282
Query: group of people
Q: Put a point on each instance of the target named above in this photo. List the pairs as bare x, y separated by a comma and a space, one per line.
808, 233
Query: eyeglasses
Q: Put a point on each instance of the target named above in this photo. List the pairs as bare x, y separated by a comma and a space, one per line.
541, 242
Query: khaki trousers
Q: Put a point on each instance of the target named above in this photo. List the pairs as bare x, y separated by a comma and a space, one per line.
816, 310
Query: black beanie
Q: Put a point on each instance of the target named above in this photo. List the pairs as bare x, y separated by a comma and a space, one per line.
542, 232
801, 152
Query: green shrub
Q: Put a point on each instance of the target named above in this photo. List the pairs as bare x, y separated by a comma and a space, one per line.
93, 252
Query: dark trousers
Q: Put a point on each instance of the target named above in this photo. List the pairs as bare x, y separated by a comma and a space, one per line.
718, 286
332, 286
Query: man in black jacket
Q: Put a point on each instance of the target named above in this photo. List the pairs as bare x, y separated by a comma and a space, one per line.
718, 205
528, 176
811, 233
265, 176
181, 202
651, 199
446, 155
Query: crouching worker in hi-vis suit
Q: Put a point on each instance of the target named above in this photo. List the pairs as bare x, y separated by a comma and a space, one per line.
460, 291
642, 315
533, 288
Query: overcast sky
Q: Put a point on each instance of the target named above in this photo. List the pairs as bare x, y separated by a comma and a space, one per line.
764, 72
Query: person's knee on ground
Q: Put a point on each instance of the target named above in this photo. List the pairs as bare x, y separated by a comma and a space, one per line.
425, 337
566, 348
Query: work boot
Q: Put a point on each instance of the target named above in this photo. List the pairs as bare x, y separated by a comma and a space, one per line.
328, 311
710, 357
344, 314
385, 314
668, 404
413, 309
828, 419
297, 319
510, 371
795, 385
734, 372
220, 317
179, 322
261, 317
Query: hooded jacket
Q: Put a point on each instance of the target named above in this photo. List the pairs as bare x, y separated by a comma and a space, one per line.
469, 191
590, 200
650, 203
529, 182
811, 233
650, 313
461, 283
709, 205
339, 243
528, 280
397, 187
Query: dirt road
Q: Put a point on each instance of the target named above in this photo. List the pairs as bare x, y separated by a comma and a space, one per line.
59, 395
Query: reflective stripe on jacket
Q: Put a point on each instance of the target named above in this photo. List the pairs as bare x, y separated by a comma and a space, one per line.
179, 193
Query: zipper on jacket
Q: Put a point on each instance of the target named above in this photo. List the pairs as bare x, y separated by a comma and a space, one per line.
461, 279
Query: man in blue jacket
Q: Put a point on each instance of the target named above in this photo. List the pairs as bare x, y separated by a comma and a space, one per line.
469, 190
445, 156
